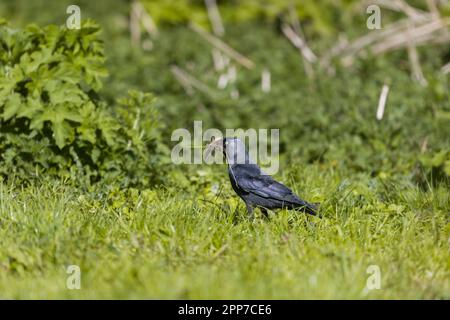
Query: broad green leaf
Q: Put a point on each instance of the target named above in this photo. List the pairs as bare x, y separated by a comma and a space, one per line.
62, 131
12, 106
30, 108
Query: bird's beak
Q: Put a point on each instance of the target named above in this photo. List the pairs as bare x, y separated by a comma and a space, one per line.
215, 144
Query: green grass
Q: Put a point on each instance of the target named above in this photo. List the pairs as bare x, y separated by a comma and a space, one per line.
167, 244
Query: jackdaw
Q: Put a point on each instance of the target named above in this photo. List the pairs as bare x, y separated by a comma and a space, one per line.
257, 189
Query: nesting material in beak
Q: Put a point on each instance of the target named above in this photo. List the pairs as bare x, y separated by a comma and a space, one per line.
215, 144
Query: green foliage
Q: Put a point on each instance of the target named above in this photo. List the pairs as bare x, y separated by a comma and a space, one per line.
52, 117
173, 12
437, 165
318, 13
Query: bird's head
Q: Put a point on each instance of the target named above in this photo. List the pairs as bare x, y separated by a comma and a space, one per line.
232, 148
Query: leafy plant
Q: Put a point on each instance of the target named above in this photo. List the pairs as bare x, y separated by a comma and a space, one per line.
52, 116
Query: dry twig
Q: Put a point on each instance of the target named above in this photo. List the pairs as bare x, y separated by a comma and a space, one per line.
446, 68
222, 46
399, 6
299, 43
413, 56
214, 17
382, 102
139, 15
135, 29
188, 81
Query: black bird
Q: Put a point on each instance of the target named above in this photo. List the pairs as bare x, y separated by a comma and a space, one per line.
256, 188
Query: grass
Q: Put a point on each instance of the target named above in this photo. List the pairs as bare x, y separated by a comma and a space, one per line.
164, 244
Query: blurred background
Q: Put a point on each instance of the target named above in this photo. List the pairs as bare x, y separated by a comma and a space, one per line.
314, 69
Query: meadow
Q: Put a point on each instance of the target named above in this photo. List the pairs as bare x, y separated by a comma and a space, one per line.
86, 177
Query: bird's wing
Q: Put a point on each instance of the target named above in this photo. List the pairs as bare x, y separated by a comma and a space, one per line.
250, 179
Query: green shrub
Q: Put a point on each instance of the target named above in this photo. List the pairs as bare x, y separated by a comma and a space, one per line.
52, 117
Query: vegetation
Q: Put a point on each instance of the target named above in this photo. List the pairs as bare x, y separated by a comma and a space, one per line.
86, 118
52, 117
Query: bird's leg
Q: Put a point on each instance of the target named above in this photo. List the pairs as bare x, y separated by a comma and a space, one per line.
264, 212
250, 210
